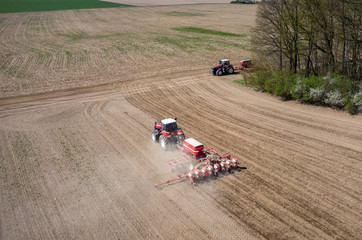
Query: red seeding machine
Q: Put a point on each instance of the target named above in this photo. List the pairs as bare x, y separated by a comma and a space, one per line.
197, 164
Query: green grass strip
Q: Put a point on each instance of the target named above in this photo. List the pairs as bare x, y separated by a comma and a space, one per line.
208, 31
11, 6
183, 14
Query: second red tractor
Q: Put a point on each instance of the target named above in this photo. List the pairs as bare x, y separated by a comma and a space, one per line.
225, 67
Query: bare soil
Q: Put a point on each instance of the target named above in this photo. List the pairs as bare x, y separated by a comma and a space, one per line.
80, 163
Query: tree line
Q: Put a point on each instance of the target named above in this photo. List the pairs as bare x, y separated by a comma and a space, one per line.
311, 37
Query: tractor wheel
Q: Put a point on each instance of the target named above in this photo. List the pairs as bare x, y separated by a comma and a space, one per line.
231, 70
164, 142
155, 136
219, 72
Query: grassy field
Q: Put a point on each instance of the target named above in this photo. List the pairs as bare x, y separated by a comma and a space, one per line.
208, 31
9, 6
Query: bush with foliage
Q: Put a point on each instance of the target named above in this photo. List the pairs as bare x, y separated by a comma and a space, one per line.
284, 84
335, 98
357, 100
316, 94
332, 90
299, 89
262, 74
334, 82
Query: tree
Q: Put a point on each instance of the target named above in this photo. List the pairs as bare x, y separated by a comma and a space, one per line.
312, 36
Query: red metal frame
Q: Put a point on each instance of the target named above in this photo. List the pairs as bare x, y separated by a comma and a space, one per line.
176, 162
205, 167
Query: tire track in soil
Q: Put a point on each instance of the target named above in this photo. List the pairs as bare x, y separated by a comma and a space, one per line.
75, 93
190, 222
24, 191
129, 210
151, 103
274, 133
135, 128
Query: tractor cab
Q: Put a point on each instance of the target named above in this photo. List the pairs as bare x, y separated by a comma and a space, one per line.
168, 125
225, 62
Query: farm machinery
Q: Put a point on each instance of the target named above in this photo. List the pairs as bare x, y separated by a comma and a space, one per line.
225, 67
167, 133
195, 163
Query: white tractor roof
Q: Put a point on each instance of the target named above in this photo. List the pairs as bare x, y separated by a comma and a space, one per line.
168, 120
193, 142
224, 60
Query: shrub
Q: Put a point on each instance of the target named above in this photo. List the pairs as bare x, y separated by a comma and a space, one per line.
334, 98
333, 89
350, 107
313, 82
299, 89
261, 76
302, 89
329, 79
338, 82
285, 84
269, 85
357, 100
316, 94
248, 77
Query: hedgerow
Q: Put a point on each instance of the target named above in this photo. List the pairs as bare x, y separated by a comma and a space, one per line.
331, 90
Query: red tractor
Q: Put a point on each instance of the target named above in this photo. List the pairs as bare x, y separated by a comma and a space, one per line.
167, 133
224, 67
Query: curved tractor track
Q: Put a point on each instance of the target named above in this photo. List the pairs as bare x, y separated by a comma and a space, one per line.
82, 165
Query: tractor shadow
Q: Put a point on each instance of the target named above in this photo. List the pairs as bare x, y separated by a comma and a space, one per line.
229, 74
239, 169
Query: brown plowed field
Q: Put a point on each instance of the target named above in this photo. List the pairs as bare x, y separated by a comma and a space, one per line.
81, 164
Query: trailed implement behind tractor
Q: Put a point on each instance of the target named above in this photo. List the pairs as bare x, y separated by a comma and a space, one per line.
225, 67
197, 164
